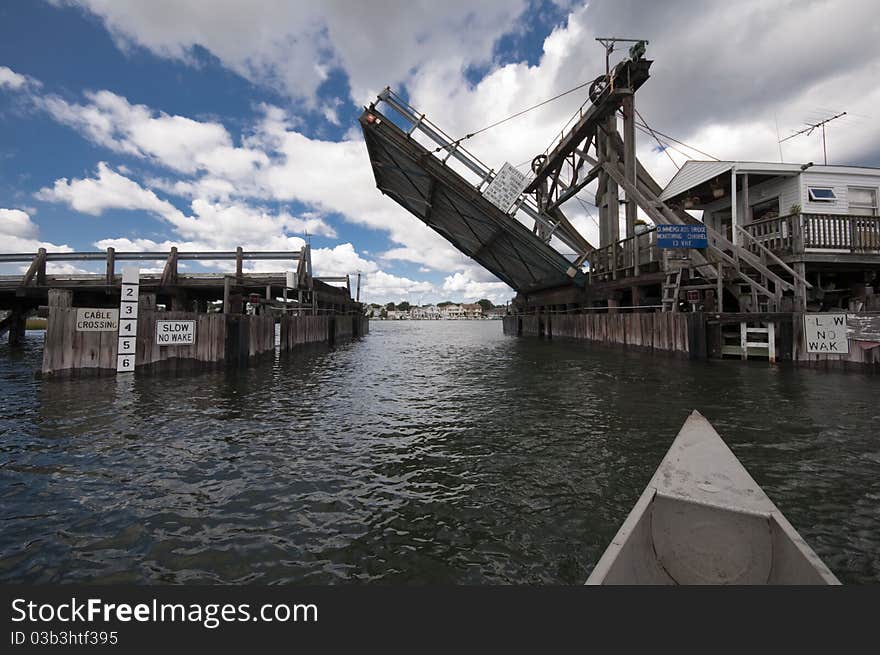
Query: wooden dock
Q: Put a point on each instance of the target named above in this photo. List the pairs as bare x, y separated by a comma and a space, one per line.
231, 317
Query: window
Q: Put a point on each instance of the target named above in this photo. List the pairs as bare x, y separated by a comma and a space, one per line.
822, 194
862, 201
765, 209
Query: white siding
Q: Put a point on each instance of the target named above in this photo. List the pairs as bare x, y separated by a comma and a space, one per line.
837, 181
786, 188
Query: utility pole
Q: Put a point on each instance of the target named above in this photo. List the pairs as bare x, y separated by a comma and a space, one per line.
812, 126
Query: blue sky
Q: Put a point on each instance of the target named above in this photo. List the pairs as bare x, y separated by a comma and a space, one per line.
211, 125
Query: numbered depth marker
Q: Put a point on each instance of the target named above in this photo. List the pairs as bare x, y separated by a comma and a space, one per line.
128, 311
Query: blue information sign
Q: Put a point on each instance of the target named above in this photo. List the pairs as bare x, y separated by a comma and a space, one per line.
682, 236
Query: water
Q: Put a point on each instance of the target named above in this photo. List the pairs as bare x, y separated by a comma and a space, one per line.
429, 452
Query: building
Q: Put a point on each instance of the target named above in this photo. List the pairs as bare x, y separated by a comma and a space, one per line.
821, 221
472, 311
425, 313
452, 312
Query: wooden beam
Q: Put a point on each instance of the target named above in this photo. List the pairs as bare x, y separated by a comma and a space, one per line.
111, 265
629, 161
169, 273
34, 269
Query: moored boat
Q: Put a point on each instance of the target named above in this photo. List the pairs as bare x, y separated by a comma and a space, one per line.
703, 520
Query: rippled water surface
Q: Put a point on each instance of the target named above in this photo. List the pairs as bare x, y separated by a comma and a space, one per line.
429, 452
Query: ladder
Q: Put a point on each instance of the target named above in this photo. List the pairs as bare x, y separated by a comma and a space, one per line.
749, 340
671, 289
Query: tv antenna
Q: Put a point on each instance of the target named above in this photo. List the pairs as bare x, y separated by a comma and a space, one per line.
814, 126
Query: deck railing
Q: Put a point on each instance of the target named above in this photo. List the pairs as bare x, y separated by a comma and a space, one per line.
620, 258
799, 233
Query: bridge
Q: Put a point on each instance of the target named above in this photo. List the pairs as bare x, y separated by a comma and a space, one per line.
434, 177
234, 314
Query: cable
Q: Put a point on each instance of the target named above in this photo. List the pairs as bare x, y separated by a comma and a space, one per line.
666, 136
511, 117
663, 147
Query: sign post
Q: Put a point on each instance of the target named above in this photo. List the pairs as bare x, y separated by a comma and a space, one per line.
826, 334
128, 312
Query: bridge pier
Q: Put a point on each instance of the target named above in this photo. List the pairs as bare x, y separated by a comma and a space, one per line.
16, 323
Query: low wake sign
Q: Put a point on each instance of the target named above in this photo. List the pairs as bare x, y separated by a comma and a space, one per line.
826, 333
505, 187
682, 236
175, 333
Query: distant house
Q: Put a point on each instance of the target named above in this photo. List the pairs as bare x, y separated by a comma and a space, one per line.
472, 311
497, 312
453, 312
425, 313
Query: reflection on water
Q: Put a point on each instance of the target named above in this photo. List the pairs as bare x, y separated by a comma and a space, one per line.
428, 452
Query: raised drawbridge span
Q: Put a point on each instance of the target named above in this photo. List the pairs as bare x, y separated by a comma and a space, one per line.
434, 177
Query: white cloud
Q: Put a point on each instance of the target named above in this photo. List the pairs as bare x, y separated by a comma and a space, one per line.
295, 45
465, 286
10, 79
109, 190
176, 142
19, 234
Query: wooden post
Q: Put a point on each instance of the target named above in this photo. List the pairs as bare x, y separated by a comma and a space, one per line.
636, 297
60, 298
225, 294
358, 299
733, 217
17, 322
239, 262
800, 300
744, 339
612, 194
41, 269
629, 163
169, 273
37, 270
111, 266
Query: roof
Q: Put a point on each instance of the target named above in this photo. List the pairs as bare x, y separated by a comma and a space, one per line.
695, 173
447, 203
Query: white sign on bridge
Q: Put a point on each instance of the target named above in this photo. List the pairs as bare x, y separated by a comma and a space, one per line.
506, 186
175, 333
826, 333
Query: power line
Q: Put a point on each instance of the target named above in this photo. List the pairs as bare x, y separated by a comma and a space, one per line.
656, 138
512, 116
673, 139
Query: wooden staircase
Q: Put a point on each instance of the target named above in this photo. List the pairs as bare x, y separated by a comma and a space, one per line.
745, 265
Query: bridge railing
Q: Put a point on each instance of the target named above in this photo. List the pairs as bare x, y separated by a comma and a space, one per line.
36, 272
619, 259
